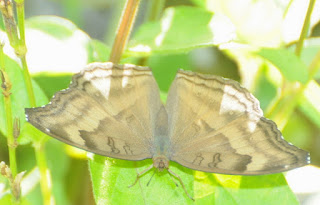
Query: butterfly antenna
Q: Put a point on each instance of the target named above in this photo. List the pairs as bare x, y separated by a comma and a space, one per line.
181, 182
150, 178
140, 174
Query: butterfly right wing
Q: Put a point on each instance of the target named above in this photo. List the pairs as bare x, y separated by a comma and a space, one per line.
215, 125
107, 109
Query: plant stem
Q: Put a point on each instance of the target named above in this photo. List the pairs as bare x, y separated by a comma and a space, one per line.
21, 51
21, 28
11, 141
12, 144
287, 8
27, 79
6, 86
305, 28
124, 30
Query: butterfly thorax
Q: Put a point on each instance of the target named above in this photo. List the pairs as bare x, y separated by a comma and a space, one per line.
160, 162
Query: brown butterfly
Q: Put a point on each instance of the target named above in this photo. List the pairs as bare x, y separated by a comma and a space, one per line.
209, 123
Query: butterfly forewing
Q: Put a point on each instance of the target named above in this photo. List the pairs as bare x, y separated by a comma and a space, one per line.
215, 125
108, 110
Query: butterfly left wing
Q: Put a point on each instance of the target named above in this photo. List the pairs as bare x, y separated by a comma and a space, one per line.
215, 125
108, 110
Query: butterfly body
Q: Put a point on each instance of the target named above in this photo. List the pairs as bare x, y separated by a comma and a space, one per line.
160, 138
208, 123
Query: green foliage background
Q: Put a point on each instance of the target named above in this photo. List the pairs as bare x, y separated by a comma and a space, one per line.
184, 33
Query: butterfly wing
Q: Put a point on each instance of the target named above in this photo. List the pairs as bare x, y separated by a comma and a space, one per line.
215, 125
107, 109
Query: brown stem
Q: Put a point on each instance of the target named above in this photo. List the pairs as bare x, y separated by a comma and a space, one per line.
123, 32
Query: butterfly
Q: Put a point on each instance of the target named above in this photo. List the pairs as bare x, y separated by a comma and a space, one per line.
208, 123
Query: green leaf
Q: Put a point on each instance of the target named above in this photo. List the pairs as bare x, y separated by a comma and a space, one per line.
59, 167
8, 200
164, 68
291, 67
58, 164
180, 29
56, 45
310, 49
58, 27
299, 131
100, 52
264, 91
229, 189
111, 178
266, 189
52, 82
200, 3
19, 98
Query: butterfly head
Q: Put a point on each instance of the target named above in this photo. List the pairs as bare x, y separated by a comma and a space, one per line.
160, 162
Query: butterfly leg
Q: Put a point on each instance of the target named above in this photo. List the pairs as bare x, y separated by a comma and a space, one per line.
174, 180
181, 182
140, 174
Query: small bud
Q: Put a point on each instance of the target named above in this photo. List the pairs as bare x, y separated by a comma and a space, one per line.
5, 171
8, 173
14, 183
2, 77
6, 9
20, 51
16, 186
6, 84
3, 168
